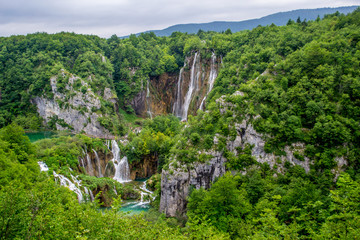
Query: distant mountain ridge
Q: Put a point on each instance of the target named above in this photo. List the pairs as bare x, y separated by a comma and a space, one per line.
278, 19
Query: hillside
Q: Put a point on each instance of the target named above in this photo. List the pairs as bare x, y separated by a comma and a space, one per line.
279, 19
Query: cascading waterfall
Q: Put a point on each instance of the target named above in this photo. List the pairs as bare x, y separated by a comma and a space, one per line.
148, 102
98, 164
89, 193
177, 105
187, 101
144, 192
122, 170
212, 77
90, 170
81, 162
64, 181
43, 167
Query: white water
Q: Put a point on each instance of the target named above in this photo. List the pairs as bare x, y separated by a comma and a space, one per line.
122, 170
89, 193
90, 170
148, 99
64, 181
98, 164
192, 86
144, 192
177, 104
43, 167
212, 77
81, 161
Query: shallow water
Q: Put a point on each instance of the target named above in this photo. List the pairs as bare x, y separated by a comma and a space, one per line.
134, 207
35, 136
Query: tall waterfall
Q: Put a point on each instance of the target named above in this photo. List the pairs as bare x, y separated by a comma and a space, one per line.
98, 164
177, 104
122, 170
212, 77
148, 99
193, 77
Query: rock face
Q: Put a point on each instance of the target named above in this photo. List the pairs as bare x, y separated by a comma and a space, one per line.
176, 183
98, 163
144, 169
160, 95
75, 109
246, 135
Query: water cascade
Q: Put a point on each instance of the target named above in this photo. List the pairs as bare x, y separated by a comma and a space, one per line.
177, 105
43, 166
90, 169
144, 192
98, 164
148, 102
212, 77
122, 170
193, 78
64, 181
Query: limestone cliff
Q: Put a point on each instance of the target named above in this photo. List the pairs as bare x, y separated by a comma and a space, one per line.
76, 106
167, 93
176, 183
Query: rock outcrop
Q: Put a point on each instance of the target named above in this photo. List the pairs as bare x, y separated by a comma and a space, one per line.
177, 182
74, 109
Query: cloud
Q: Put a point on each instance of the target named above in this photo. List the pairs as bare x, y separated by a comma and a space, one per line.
121, 17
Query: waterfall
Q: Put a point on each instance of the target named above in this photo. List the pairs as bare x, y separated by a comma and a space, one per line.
148, 102
98, 164
89, 193
43, 167
81, 162
177, 103
89, 165
64, 181
192, 86
144, 191
122, 170
212, 77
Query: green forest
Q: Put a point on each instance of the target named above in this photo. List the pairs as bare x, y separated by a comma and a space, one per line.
297, 85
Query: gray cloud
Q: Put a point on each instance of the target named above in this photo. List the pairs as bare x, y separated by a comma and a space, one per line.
122, 17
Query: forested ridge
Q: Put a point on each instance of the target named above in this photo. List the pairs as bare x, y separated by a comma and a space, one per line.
297, 85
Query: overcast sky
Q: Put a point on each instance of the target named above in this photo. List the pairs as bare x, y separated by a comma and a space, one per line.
122, 17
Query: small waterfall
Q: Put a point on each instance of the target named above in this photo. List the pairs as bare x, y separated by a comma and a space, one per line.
188, 97
98, 164
144, 192
81, 162
148, 100
107, 144
64, 181
89, 193
177, 103
43, 167
212, 77
90, 170
122, 170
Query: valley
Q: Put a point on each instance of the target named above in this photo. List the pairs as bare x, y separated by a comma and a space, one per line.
235, 135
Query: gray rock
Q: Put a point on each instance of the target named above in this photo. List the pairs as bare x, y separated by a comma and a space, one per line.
76, 111
176, 183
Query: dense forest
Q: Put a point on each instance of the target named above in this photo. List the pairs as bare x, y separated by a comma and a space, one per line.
298, 86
